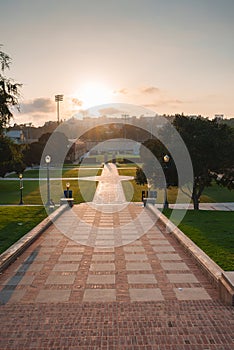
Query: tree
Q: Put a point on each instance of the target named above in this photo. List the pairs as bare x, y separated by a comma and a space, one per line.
157, 172
9, 92
10, 153
211, 148
11, 157
58, 144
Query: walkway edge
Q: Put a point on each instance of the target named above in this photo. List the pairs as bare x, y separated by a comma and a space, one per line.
14, 251
220, 278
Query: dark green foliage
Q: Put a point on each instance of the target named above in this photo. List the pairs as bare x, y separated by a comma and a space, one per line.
211, 148
9, 92
11, 157
140, 177
58, 141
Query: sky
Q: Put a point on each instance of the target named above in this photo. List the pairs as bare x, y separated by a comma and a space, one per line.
170, 56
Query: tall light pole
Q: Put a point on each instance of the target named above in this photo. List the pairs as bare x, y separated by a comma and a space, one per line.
125, 116
58, 98
21, 189
48, 160
166, 159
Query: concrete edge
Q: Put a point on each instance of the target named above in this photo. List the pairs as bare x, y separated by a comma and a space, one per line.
14, 251
220, 278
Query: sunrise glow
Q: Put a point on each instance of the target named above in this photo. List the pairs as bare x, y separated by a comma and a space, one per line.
93, 94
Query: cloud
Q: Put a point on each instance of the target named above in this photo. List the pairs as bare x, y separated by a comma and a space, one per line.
77, 102
164, 102
109, 110
150, 90
38, 105
122, 91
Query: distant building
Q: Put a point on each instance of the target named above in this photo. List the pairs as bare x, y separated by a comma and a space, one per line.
77, 150
17, 136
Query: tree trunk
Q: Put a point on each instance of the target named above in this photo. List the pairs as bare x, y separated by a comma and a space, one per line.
195, 199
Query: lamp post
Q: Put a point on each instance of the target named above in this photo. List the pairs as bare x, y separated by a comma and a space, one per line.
68, 186
21, 189
149, 185
58, 98
48, 160
166, 159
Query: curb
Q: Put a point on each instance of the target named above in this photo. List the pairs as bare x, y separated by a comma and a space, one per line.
14, 251
223, 280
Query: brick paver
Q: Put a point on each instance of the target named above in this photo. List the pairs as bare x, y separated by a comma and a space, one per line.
68, 291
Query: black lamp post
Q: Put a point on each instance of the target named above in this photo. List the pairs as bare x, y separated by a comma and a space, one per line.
166, 159
21, 189
149, 185
48, 160
68, 186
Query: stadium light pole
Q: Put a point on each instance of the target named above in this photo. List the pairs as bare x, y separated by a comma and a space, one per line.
58, 98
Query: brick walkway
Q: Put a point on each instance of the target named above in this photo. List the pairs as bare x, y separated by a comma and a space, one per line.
92, 289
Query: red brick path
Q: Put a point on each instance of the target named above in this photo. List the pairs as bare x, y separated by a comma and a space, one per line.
147, 294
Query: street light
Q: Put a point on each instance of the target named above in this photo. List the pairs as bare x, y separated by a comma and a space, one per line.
21, 189
58, 98
48, 160
149, 185
166, 159
68, 186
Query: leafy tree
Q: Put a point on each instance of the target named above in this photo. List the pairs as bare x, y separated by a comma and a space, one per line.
159, 173
9, 92
11, 157
58, 142
10, 153
211, 148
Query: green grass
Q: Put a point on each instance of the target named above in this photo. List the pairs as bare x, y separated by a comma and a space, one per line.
217, 193
82, 190
16, 222
10, 193
211, 194
132, 191
213, 232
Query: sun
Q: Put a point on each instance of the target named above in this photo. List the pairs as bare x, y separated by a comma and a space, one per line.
93, 94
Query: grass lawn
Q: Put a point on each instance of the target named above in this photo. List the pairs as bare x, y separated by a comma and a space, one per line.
213, 232
16, 222
217, 193
82, 190
132, 191
211, 194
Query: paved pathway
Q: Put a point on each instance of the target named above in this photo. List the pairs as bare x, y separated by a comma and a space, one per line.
139, 292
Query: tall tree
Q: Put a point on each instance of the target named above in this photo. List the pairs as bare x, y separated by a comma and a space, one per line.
10, 153
9, 92
11, 156
211, 148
